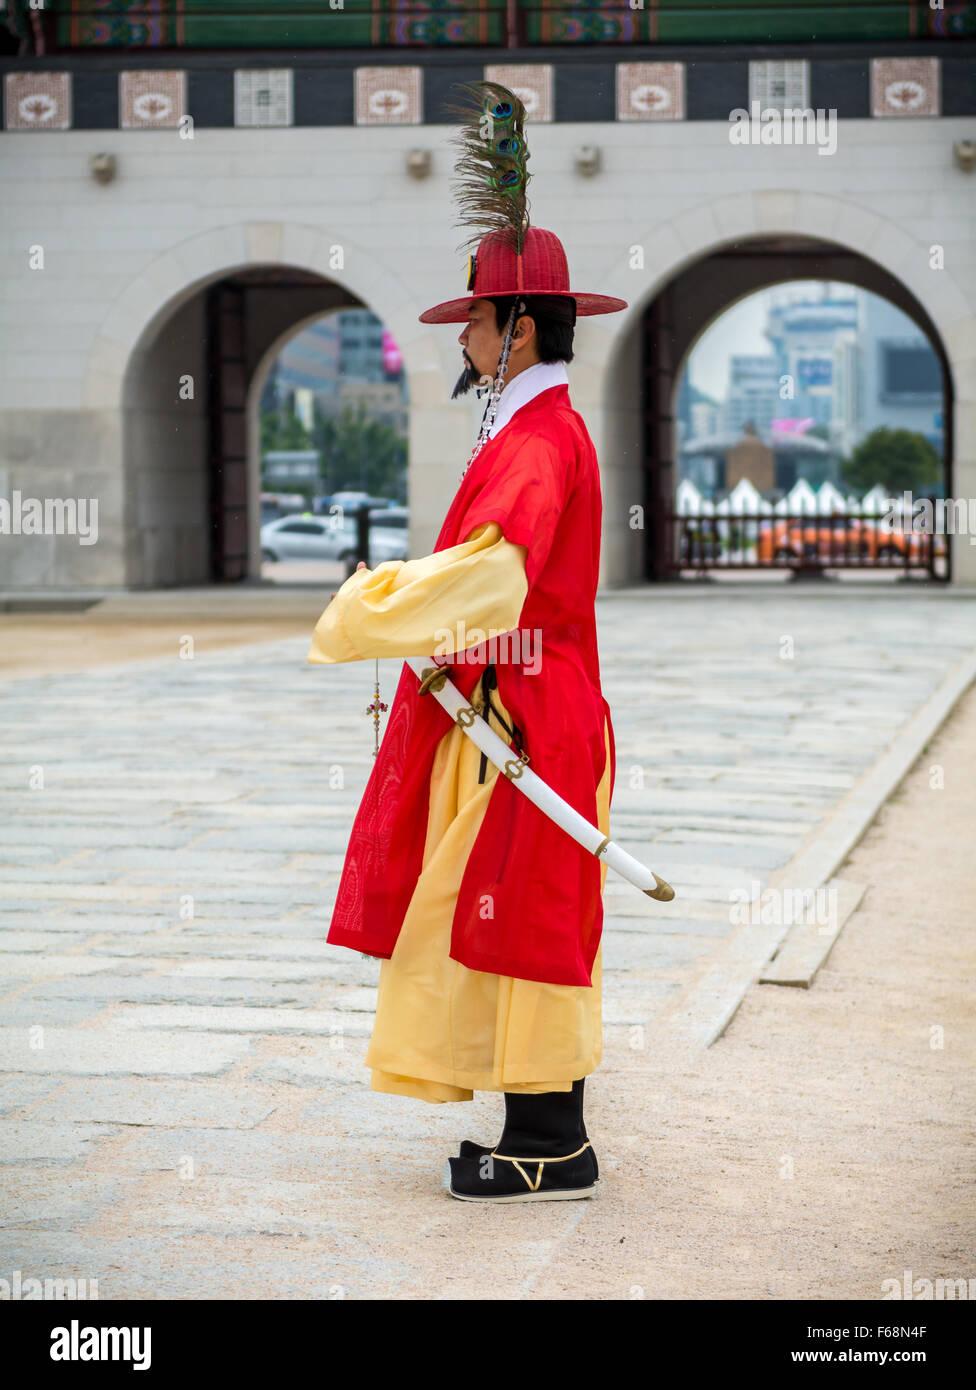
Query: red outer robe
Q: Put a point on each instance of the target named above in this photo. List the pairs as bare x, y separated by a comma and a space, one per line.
529, 903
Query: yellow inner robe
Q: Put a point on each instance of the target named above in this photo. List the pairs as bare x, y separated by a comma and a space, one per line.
443, 1031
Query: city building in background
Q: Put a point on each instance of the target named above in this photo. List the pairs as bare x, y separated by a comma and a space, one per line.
341, 361
753, 395
802, 334
697, 415
900, 376
841, 365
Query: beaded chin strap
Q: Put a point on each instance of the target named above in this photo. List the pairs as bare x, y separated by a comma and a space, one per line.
491, 409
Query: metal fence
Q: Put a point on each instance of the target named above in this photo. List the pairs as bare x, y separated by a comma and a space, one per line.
802, 543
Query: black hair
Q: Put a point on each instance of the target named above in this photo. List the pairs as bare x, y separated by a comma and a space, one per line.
554, 316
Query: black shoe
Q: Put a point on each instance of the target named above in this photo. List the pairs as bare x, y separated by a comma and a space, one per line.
510, 1178
469, 1149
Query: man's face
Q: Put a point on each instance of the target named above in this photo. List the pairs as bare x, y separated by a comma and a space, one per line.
481, 347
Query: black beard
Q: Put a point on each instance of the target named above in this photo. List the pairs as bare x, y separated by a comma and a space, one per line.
468, 378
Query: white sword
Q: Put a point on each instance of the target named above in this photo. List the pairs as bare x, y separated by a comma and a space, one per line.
434, 681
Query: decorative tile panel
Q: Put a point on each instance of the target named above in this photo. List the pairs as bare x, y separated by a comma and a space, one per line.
780, 84
38, 100
531, 83
389, 96
263, 97
154, 100
650, 91
905, 86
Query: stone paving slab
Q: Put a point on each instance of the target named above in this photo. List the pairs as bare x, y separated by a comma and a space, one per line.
77, 1051
32, 1141
54, 1013
302, 935
18, 1091
652, 950
285, 970
138, 989
298, 937
54, 1199
39, 942
230, 1019
36, 965
315, 1068
161, 1104
214, 863
236, 1038
716, 926
229, 1153
182, 1266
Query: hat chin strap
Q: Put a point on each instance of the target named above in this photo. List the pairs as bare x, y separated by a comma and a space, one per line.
491, 409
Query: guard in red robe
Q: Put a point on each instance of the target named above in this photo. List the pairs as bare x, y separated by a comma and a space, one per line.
529, 903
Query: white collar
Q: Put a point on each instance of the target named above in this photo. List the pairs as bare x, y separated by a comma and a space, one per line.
541, 376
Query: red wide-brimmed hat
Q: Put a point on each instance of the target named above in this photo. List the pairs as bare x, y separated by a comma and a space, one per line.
496, 270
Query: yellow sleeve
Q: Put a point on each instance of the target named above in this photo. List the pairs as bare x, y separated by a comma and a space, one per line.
438, 604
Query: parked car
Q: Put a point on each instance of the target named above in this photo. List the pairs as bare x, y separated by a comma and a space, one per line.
335, 537
889, 544
352, 501
833, 541
820, 539
278, 504
390, 519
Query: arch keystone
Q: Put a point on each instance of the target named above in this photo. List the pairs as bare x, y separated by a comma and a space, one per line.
775, 210
263, 241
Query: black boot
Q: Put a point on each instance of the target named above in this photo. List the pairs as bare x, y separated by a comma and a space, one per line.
469, 1149
543, 1154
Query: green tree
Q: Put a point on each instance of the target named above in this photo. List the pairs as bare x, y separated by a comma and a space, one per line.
283, 432
361, 454
898, 459
356, 452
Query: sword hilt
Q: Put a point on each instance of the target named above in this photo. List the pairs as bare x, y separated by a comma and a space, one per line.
433, 679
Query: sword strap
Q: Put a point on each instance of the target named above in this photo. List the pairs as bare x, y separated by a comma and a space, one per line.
489, 682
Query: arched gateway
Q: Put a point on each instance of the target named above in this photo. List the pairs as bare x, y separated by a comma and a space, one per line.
188, 394
701, 265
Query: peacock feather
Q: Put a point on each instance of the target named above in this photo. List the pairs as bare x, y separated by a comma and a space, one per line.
490, 176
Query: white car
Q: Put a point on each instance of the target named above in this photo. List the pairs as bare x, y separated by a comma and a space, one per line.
335, 538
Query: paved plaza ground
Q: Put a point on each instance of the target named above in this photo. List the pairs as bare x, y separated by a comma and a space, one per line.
186, 1109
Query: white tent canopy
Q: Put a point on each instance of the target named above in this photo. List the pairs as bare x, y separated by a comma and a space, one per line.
802, 500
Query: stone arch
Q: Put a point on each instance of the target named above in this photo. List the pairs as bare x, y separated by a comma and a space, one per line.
156, 333
174, 277
672, 247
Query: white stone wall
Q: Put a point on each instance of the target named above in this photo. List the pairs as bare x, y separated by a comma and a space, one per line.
183, 213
